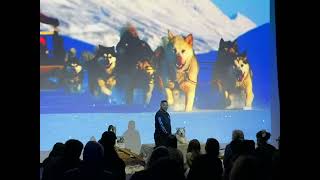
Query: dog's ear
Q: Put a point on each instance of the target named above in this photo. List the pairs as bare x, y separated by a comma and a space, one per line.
159, 51
170, 35
244, 55
189, 39
113, 50
235, 43
221, 42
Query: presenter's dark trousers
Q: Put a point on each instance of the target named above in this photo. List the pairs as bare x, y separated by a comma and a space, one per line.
160, 139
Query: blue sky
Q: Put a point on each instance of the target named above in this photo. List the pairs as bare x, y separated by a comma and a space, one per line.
257, 10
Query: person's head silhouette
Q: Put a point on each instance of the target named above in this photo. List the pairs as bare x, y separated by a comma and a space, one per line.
112, 128
131, 125
262, 137
212, 147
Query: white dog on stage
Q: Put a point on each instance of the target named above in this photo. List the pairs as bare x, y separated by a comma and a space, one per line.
181, 136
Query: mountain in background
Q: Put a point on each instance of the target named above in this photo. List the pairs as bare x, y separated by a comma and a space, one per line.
99, 21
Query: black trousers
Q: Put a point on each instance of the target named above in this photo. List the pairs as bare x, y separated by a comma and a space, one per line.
160, 139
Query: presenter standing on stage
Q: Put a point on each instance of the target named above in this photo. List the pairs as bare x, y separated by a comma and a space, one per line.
162, 125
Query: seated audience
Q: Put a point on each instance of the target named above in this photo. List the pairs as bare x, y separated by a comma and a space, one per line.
207, 166
92, 167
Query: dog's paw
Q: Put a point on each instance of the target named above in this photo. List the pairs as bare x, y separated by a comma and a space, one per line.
247, 108
230, 107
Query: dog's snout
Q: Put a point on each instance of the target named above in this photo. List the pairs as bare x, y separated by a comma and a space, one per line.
107, 60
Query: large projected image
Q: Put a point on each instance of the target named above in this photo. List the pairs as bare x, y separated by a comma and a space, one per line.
211, 60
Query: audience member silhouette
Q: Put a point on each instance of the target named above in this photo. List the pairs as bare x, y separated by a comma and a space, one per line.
112, 161
101, 161
245, 168
71, 159
236, 135
264, 152
193, 151
207, 166
57, 151
157, 153
232, 151
174, 152
113, 129
167, 168
249, 147
72, 153
92, 167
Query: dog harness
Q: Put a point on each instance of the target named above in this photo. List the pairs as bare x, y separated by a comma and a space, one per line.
185, 76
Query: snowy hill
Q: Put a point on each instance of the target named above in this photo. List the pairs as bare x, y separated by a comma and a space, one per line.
99, 21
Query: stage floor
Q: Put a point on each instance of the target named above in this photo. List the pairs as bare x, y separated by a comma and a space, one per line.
200, 125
